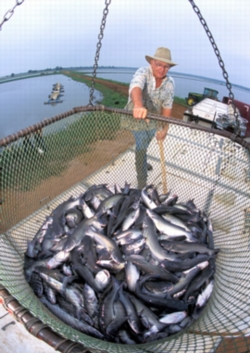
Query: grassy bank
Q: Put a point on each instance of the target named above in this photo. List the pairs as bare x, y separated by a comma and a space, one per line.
110, 98
24, 167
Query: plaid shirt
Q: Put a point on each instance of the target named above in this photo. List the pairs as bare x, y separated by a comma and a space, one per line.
154, 99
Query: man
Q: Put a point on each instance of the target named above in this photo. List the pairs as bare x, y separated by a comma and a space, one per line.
151, 90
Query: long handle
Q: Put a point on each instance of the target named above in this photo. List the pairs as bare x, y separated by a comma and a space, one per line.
163, 167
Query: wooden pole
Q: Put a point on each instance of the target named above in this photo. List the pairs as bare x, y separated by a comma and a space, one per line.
163, 168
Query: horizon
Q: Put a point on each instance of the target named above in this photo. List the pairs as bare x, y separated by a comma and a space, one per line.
59, 68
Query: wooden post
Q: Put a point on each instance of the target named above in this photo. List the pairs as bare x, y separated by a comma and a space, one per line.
163, 168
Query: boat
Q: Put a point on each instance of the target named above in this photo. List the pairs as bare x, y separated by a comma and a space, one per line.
55, 95
53, 101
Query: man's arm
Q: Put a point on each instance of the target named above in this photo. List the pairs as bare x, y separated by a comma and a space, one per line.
139, 111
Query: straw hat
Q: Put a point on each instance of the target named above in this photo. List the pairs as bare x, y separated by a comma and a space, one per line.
161, 54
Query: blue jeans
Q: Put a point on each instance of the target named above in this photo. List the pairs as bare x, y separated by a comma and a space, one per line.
142, 141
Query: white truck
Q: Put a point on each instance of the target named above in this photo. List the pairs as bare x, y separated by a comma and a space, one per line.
215, 114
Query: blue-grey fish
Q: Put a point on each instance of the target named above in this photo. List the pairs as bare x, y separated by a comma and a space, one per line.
89, 254
107, 313
146, 199
58, 214
72, 321
133, 319
154, 271
125, 337
168, 228
83, 271
168, 319
29, 271
134, 248
166, 302
119, 319
50, 294
55, 280
73, 217
147, 316
128, 236
36, 284
90, 301
186, 247
87, 211
187, 277
106, 242
131, 217
34, 246
173, 318
152, 242
197, 283
100, 191
175, 220
109, 202
132, 275
170, 200
174, 266
126, 188
58, 259
205, 295
76, 237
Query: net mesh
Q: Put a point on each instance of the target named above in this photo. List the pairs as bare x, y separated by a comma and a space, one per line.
46, 164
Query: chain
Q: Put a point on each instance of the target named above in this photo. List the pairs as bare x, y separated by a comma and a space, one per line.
98, 47
221, 63
10, 12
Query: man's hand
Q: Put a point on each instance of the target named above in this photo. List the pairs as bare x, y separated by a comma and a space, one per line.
140, 112
161, 134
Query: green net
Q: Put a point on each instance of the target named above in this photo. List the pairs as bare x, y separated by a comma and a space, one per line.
44, 165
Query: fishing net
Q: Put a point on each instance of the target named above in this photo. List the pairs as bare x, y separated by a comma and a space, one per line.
45, 164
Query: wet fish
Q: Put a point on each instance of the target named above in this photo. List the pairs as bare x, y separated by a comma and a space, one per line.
188, 277
109, 202
107, 243
186, 247
145, 198
107, 312
152, 242
122, 264
131, 217
199, 281
205, 295
133, 319
76, 237
159, 272
128, 236
90, 301
72, 321
132, 275
169, 228
166, 303
58, 214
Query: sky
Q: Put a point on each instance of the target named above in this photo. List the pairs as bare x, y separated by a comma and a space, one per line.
48, 33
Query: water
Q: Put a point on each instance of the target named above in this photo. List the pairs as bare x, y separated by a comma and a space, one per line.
183, 83
22, 102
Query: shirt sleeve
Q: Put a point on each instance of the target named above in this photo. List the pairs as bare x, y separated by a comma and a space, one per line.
139, 79
169, 97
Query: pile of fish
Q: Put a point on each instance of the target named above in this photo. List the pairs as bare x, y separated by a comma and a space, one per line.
122, 264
